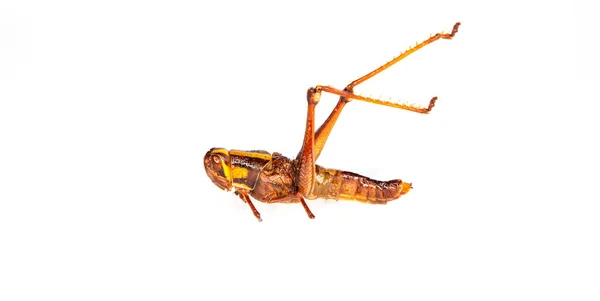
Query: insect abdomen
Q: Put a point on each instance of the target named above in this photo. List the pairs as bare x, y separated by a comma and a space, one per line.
344, 185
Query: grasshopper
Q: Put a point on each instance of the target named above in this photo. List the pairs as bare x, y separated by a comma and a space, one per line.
274, 178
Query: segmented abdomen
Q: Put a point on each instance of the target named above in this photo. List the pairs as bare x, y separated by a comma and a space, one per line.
344, 185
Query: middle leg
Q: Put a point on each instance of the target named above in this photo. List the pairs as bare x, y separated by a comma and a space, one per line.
295, 198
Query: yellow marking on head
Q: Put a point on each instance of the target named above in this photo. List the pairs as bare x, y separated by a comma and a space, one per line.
226, 168
239, 172
218, 167
250, 154
226, 171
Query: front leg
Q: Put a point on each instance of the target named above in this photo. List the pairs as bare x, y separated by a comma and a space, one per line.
306, 173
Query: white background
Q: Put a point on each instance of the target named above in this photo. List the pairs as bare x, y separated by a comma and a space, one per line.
107, 108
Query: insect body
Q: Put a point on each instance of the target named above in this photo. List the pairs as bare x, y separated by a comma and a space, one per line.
273, 178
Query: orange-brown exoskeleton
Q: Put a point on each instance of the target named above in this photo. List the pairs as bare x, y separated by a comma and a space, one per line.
273, 178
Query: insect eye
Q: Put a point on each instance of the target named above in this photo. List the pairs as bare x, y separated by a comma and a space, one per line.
216, 159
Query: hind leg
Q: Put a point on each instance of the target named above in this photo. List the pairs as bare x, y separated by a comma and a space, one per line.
313, 144
324, 130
